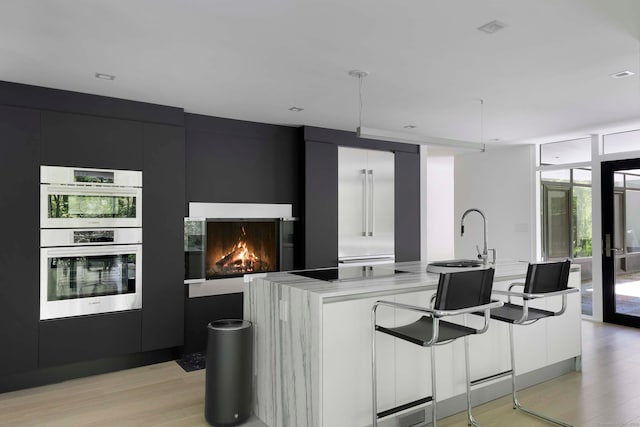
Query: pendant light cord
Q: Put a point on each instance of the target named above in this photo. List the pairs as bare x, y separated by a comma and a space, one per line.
484, 146
360, 101
360, 75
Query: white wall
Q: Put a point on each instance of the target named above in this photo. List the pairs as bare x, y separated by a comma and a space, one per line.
439, 184
501, 184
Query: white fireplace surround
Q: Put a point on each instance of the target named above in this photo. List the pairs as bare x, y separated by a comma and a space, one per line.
239, 210
232, 211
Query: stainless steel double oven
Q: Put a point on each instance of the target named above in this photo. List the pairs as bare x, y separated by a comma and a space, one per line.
90, 241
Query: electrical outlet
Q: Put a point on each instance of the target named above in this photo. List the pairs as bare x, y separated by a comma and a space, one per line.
284, 310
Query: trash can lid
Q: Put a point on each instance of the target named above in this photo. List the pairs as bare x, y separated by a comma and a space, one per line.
229, 324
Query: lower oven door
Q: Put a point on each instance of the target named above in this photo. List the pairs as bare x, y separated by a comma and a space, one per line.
76, 281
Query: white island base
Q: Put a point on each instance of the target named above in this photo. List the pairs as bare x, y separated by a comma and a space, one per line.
313, 348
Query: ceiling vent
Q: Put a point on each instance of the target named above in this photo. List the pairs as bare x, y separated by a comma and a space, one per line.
104, 76
492, 27
622, 74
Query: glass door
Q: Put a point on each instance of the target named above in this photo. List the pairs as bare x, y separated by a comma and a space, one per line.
621, 241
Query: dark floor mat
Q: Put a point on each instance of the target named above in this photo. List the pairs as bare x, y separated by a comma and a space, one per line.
192, 362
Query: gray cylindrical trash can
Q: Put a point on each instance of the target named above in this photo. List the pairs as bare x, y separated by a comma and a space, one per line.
229, 362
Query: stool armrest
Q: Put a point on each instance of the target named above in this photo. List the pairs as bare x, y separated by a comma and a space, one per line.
527, 296
428, 311
511, 293
511, 286
439, 313
551, 294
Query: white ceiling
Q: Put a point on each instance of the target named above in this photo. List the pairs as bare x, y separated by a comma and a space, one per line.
544, 76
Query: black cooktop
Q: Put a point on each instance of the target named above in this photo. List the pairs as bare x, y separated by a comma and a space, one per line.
348, 273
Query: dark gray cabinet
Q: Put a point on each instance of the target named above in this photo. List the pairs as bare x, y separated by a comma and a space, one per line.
320, 205
79, 339
19, 228
407, 206
89, 141
163, 195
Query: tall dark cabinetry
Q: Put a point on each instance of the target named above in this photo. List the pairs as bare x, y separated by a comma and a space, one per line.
407, 201
158, 151
320, 205
95, 142
162, 253
19, 155
234, 161
88, 141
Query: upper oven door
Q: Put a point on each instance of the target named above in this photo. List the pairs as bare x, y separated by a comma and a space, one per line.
70, 206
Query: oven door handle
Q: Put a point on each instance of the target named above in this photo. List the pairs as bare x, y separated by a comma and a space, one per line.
91, 191
91, 250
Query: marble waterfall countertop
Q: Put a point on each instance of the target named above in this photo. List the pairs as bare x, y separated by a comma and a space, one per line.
349, 282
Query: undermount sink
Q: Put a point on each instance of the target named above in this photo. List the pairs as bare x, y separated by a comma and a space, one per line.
457, 263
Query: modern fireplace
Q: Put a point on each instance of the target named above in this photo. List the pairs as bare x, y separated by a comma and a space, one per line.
237, 247
225, 241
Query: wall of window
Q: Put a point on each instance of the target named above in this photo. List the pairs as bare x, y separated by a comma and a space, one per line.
566, 204
566, 214
565, 169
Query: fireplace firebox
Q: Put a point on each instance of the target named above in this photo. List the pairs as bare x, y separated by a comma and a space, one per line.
229, 247
237, 247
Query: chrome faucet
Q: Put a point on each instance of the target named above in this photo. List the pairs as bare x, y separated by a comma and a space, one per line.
485, 251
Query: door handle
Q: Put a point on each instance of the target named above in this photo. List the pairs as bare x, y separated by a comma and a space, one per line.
365, 226
608, 250
371, 205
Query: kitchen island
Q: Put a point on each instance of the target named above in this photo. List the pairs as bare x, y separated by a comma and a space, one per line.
313, 342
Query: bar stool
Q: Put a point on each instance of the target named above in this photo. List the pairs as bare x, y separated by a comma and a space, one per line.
543, 280
458, 293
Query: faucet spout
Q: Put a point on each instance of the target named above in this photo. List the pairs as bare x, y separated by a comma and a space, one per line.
485, 251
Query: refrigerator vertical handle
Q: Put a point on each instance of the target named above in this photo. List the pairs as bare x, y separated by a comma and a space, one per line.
365, 226
371, 205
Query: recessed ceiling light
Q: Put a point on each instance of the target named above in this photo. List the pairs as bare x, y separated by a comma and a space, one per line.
105, 76
296, 109
622, 74
409, 126
492, 27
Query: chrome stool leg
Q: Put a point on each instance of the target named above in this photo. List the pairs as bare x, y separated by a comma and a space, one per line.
516, 403
433, 386
373, 369
470, 420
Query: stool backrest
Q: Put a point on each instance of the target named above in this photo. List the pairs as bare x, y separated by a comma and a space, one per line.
547, 277
464, 289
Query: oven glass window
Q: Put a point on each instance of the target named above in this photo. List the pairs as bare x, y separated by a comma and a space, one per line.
79, 206
101, 177
91, 276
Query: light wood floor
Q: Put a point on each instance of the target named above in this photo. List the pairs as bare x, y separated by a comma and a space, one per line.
605, 393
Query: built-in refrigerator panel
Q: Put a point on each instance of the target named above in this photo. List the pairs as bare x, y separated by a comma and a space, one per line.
365, 206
